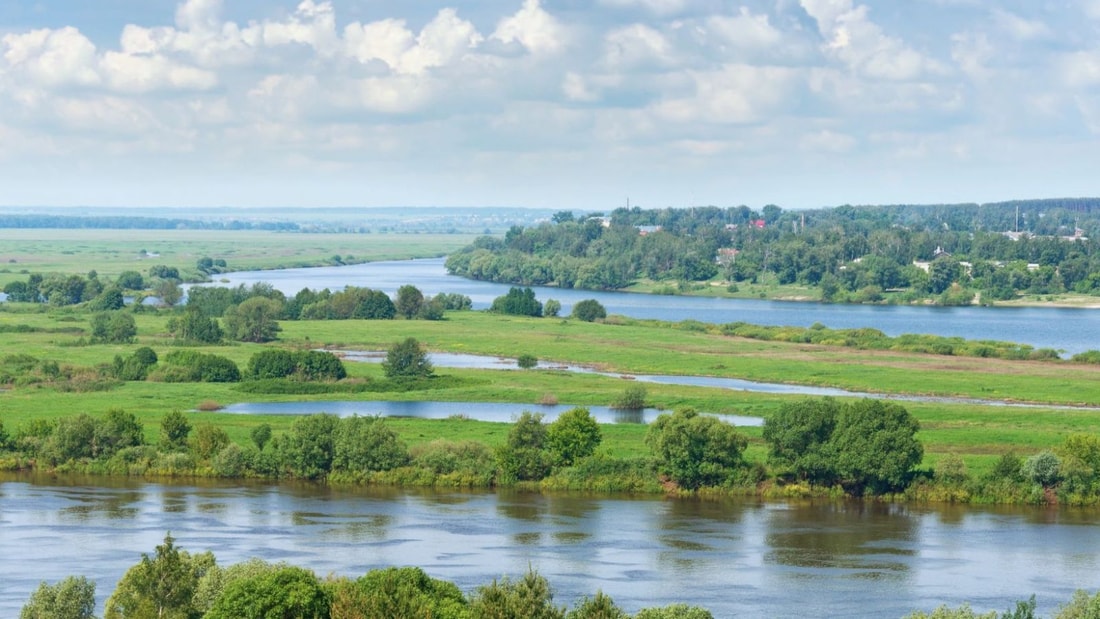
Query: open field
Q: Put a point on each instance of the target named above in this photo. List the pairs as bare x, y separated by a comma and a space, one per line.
111, 252
978, 433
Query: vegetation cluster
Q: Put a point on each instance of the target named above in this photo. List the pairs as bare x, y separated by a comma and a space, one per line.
174, 583
946, 254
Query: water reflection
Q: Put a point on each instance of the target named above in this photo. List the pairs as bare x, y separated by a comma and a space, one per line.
736, 557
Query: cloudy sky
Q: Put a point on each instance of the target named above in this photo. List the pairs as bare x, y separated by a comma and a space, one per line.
547, 103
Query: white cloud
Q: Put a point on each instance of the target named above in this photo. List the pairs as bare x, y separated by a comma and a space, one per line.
1019, 28
734, 94
534, 28
861, 45
827, 141
636, 45
312, 24
441, 42
149, 73
744, 30
62, 57
1081, 69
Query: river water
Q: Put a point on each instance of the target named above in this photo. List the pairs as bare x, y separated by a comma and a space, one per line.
738, 558
1071, 330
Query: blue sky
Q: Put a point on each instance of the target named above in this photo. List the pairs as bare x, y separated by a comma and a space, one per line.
576, 104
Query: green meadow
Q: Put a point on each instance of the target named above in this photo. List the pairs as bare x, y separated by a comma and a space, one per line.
978, 433
110, 252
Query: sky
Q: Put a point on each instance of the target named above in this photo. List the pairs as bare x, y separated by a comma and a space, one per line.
572, 104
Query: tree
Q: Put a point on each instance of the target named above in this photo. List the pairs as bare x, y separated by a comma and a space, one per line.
409, 301
518, 302
271, 363
529, 597
117, 430
286, 591
599, 606
406, 359
398, 592
260, 435
174, 429
110, 299
309, 448
875, 445
71, 598
1044, 468
161, 586
589, 310
254, 320
523, 457
194, 326
552, 308
114, 327
674, 611
798, 437
169, 292
130, 280
695, 450
208, 440
572, 436
365, 444
376, 306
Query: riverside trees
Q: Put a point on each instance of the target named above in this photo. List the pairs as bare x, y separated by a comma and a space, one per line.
865, 445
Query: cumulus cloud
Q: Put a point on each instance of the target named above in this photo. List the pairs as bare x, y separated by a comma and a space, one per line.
61, 57
853, 39
306, 84
534, 28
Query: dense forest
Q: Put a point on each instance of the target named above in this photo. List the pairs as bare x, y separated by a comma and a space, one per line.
954, 254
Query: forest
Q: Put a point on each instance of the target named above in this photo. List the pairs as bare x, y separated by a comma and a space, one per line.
955, 254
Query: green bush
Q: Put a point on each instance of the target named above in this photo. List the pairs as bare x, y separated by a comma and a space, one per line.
589, 310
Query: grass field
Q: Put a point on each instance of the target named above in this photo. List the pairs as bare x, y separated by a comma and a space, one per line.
978, 433
110, 252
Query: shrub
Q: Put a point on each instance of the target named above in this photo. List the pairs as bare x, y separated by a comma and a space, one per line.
695, 450
518, 302
631, 399
1044, 468
527, 361
589, 310
406, 359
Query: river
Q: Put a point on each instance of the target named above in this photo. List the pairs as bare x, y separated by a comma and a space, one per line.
738, 557
1071, 330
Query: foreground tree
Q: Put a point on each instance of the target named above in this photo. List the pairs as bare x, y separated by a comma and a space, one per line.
160, 586
71, 598
397, 592
406, 359
695, 450
529, 597
282, 592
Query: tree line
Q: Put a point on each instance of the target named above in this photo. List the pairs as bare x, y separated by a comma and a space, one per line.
175, 584
947, 253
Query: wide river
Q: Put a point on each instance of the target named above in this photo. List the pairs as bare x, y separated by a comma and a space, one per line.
738, 558
1070, 330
